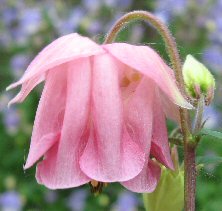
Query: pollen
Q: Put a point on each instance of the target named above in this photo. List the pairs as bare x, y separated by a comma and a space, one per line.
135, 77
96, 186
125, 82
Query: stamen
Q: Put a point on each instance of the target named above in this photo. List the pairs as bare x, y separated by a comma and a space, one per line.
96, 186
135, 77
125, 82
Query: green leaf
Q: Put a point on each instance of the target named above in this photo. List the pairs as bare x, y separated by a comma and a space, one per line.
208, 159
212, 133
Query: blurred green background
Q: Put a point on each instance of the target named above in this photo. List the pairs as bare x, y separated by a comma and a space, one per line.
27, 26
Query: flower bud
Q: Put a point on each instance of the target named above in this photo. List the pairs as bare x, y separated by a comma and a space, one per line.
198, 80
169, 194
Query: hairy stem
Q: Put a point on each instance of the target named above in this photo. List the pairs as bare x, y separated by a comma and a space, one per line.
164, 32
190, 177
171, 47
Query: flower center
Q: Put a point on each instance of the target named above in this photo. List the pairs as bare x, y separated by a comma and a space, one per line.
130, 78
96, 186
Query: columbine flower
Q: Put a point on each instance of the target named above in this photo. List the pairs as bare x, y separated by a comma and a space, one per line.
101, 114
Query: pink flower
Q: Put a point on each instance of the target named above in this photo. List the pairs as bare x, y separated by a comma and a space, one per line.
101, 113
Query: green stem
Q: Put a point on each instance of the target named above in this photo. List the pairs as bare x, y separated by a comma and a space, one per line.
171, 48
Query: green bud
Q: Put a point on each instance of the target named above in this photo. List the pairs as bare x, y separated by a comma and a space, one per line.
169, 194
198, 80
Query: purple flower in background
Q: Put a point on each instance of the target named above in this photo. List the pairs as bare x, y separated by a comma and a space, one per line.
4, 99
216, 34
51, 196
164, 16
126, 201
213, 57
71, 24
95, 27
21, 22
165, 10
216, 9
5, 39
30, 20
9, 20
213, 117
92, 5
9, 15
18, 64
212, 20
176, 7
124, 3
120, 4
11, 117
77, 199
18, 35
110, 3
10, 201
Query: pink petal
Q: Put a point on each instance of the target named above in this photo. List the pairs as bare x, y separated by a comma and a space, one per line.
149, 63
60, 168
62, 50
139, 114
25, 90
139, 117
160, 147
110, 154
146, 181
49, 115
170, 109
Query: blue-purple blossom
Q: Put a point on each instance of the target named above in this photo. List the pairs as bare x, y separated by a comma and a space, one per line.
126, 201
92, 5
76, 201
9, 16
212, 56
21, 22
165, 10
215, 34
51, 196
70, 24
18, 64
10, 201
95, 27
120, 4
11, 117
213, 117
31, 20
124, 3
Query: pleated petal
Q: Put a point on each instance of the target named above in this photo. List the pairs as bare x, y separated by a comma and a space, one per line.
62, 50
148, 62
60, 168
139, 117
110, 155
171, 110
160, 146
49, 115
139, 114
146, 181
